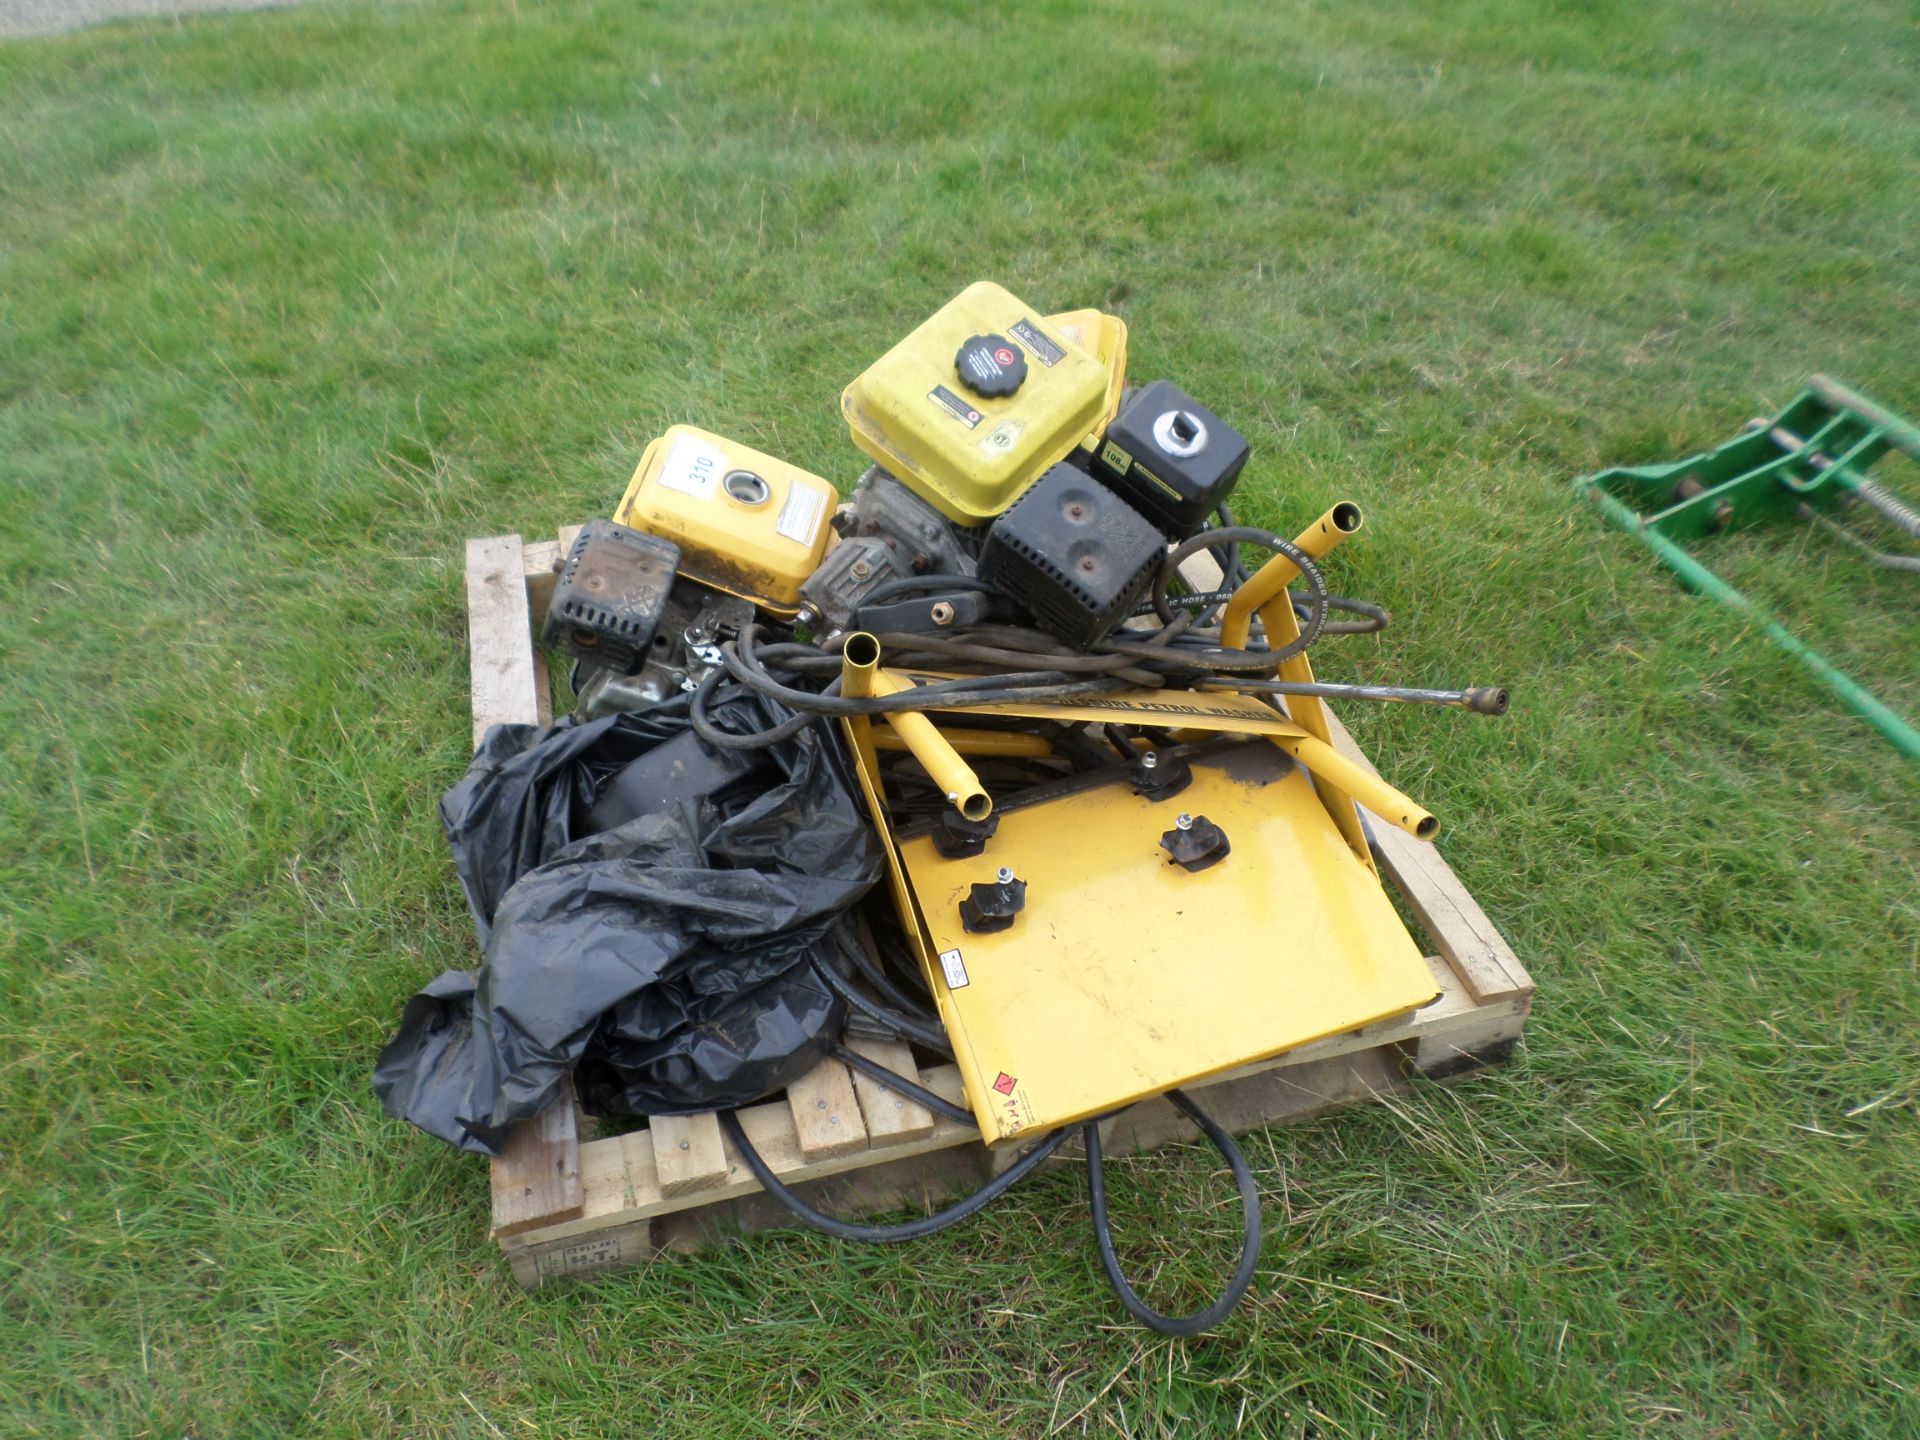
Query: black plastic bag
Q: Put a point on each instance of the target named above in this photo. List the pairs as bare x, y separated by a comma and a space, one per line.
649, 909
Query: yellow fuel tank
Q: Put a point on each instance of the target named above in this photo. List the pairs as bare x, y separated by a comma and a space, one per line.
1104, 337
745, 522
972, 406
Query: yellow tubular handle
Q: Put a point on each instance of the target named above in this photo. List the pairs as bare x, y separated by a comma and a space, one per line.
979, 742
920, 735
859, 659
1362, 784
861, 676
1318, 540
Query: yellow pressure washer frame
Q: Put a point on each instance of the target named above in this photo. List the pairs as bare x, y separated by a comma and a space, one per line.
1125, 975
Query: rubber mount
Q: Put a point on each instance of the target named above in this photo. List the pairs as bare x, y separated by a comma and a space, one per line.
1196, 844
958, 838
1160, 775
991, 366
988, 908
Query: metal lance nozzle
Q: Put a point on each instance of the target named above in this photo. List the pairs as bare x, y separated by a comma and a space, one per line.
1481, 699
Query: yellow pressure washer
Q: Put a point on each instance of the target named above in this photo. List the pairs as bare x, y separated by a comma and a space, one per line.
1123, 854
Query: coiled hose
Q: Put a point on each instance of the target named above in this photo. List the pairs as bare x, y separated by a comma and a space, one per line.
928, 1033
1196, 1323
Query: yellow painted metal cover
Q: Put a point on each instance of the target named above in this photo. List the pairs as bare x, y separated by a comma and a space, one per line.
1104, 337
745, 522
969, 454
1125, 975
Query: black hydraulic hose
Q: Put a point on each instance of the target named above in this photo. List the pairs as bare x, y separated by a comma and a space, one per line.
900, 1085
1201, 1320
744, 664
1227, 557
870, 970
934, 1037
914, 584
1303, 562
889, 1234
1374, 618
705, 727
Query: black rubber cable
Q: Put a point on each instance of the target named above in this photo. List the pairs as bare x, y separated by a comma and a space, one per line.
708, 730
745, 665
1374, 618
900, 1085
930, 1036
915, 584
889, 1234
913, 1008
1303, 562
1201, 1320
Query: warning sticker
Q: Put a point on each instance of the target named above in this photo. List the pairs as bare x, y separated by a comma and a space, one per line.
1044, 350
954, 406
1005, 1084
693, 467
1002, 438
954, 968
800, 517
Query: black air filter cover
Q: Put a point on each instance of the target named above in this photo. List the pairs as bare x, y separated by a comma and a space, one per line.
1170, 457
1072, 552
607, 602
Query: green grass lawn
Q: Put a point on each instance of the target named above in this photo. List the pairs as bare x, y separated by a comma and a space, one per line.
292, 303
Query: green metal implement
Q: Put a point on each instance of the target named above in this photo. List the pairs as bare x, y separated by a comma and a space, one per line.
1806, 462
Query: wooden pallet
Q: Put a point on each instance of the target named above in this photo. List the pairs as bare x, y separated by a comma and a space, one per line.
565, 1206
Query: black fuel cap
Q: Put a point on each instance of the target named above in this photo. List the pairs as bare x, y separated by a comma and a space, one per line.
991, 366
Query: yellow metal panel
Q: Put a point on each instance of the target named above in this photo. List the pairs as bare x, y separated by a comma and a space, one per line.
967, 455
746, 523
1126, 975
1104, 337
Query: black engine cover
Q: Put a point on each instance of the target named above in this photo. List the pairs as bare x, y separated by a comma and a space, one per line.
1170, 458
1073, 553
607, 602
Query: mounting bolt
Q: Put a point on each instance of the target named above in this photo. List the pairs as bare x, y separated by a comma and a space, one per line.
942, 613
1006, 874
1150, 760
860, 569
1183, 821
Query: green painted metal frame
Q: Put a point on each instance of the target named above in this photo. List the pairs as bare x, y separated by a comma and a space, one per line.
1815, 452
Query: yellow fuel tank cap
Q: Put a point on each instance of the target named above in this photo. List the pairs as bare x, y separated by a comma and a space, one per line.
746, 523
969, 409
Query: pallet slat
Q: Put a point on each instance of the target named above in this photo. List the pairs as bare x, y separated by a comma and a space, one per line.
889, 1114
499, 636
537, 1179
621, 1180
826, 1113
688, 1154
